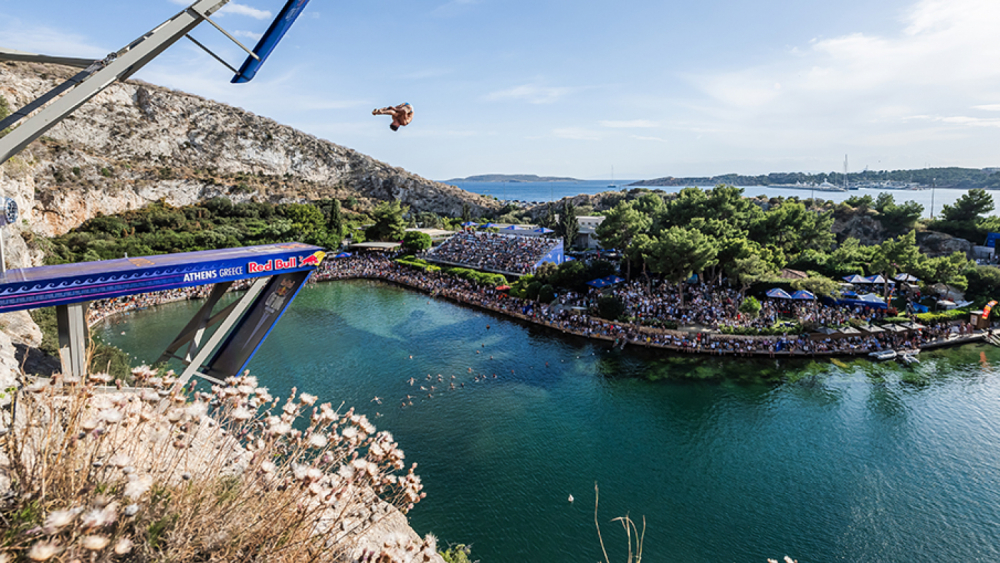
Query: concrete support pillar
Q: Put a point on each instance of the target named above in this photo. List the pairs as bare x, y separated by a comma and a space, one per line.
74, 338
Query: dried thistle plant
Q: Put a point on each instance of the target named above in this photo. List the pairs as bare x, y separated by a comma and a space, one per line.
632, 533
151, 473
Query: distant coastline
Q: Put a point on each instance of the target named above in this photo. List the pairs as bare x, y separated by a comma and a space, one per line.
511, 178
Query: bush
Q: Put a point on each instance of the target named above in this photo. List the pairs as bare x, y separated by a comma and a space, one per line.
750, 307
546, 294
943, 316
414, 241
533, 289
610, 307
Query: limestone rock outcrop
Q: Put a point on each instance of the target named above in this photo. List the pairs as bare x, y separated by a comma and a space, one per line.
934, 244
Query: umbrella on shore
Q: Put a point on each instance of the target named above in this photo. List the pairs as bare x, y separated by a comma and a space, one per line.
855, 279
491, 226
878, 279
804, 295
343, 255
512, 228
778, 293
470, 224
543, 230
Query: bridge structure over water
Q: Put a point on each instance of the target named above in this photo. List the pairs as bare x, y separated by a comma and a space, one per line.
277, 271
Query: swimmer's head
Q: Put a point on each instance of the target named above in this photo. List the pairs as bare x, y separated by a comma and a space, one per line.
394, 127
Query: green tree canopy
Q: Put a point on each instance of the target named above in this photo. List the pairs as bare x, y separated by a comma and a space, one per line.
677, 253
969, 207
389, 224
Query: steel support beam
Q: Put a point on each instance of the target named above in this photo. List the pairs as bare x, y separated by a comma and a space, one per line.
233, 315
119, 66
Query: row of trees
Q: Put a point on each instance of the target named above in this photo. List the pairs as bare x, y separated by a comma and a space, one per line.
718, 233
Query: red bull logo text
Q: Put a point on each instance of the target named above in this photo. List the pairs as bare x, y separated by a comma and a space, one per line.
271, 265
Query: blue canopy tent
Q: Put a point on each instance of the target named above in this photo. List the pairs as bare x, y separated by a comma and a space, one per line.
470, 224
491, 226
343, 255
605, 282
867, 300
778, 293
511, 228
803, 295
543, 230
855, 279
906, 278
878, 279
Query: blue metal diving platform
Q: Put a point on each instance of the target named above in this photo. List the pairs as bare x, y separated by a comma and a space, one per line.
279, 271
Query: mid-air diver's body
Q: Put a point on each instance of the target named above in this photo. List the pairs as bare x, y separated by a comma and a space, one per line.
402, 115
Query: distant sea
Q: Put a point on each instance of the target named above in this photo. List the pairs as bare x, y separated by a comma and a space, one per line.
553, 191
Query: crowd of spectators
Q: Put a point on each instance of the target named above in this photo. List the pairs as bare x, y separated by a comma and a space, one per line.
714, 306
574, 314
494, 252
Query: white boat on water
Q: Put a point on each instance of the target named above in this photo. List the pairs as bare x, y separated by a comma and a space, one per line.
883, 355
908, 359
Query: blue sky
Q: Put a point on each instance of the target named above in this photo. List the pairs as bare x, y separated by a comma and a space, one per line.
553, 87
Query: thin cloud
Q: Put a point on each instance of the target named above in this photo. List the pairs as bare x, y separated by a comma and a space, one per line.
244, 10
634, 124
48, 41
959, 120
531, 94
847, 89
248, 34
642, 138
576, 134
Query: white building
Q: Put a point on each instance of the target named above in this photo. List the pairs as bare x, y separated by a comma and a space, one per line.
587, 238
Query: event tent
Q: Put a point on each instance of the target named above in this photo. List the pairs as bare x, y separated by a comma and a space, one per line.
343, 255
605, 282
778, 293
855, 279
543, 230
470, 224
804, 295
906, 278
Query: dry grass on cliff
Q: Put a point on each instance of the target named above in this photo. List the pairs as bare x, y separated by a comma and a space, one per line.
232, 475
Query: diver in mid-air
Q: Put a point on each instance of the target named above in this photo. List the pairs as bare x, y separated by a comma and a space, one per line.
402, 115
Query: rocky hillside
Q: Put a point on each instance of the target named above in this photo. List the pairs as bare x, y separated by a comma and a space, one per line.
136, 143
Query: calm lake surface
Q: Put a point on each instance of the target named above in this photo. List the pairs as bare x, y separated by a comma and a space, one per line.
553, 191
840, 462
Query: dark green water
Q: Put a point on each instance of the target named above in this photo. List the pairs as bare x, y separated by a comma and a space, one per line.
843, 462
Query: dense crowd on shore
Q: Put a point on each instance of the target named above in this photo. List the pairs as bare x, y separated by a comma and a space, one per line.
706, 309
493, 251
565, 316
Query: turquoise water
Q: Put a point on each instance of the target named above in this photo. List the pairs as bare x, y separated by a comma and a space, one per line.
554, 191
842, 463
